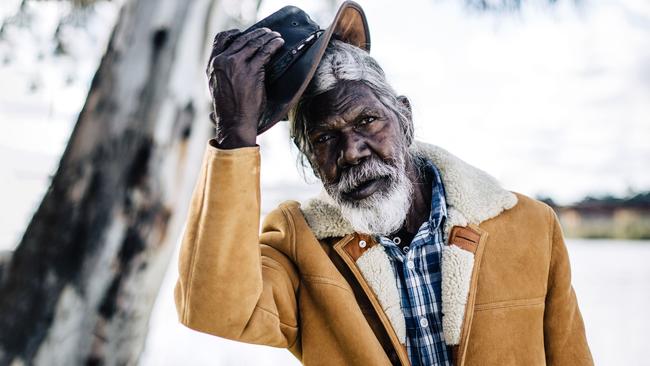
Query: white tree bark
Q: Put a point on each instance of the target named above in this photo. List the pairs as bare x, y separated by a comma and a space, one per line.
81, 284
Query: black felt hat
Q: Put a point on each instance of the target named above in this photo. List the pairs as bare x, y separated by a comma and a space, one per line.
291, 68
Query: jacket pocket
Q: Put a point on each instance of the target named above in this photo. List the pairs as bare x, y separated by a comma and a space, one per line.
509, 332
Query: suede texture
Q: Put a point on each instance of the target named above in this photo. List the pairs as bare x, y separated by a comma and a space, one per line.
282, 287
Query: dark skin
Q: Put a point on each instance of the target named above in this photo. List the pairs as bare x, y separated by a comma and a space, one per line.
347, 124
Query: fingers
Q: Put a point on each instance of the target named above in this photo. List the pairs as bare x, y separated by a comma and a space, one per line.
254, 45
222, 39
264, 54
254, 48
244, 39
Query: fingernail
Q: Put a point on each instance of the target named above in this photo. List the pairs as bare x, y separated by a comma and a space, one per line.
276, 33
266, 29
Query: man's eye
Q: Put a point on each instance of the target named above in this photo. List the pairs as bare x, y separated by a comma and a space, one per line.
367, 120
323, 138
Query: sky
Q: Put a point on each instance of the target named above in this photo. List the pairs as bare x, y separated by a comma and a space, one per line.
551, 101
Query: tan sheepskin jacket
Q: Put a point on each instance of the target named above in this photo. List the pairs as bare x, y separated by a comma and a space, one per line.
304, 283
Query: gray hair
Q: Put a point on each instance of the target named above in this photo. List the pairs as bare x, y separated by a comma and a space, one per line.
345, 62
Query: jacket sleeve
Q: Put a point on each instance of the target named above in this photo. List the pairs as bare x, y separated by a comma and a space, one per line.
232, 283
565, 341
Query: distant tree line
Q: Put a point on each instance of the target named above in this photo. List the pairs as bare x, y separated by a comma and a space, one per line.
639, 200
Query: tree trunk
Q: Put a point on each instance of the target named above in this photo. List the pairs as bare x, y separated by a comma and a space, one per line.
4, 259
81, 284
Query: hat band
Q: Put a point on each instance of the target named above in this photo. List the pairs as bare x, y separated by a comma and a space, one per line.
278, 68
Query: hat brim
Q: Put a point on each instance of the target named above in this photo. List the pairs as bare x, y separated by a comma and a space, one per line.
350, 26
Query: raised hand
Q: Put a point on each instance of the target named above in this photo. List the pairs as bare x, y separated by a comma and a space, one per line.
236, 79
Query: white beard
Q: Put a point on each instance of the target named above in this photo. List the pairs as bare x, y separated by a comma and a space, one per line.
382, 213
385, 212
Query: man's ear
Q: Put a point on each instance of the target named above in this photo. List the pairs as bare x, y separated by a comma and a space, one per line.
408, 130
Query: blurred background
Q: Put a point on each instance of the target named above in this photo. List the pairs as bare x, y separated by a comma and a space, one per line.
103, 113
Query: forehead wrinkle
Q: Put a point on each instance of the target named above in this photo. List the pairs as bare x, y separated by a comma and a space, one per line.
340, 105
345, 102
344, 109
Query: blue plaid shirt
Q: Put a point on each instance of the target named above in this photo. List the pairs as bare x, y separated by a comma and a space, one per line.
418, 279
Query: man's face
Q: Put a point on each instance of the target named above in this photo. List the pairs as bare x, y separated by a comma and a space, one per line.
347, 126
359, 152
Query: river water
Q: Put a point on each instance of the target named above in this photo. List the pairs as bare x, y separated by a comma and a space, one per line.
611, 279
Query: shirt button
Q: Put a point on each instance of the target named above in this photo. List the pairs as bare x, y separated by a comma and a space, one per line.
397, 240
424, 322
362, 243
405, 249
410, 265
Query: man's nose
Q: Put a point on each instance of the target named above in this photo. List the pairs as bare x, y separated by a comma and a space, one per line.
353, 151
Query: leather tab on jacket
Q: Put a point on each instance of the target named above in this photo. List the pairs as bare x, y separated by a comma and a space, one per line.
465, 237
359, 245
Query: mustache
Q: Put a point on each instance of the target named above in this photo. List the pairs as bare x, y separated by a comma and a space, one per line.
356, 175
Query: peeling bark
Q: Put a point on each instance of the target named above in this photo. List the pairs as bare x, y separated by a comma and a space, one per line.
81, 284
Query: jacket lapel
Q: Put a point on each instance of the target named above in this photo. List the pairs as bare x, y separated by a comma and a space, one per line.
461, 261
472, 197
371, 268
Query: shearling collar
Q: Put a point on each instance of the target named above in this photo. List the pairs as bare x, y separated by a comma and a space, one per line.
472, 196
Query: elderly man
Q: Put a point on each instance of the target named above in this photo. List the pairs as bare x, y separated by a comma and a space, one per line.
409, 257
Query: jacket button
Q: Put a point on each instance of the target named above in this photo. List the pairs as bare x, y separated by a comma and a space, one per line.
362, 243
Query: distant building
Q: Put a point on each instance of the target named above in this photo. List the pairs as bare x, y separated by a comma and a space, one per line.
609, 217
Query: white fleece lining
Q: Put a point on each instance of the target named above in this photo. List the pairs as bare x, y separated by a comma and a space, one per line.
454, 218
471, 192
472, 196
324, 218
375, 267
456, 270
